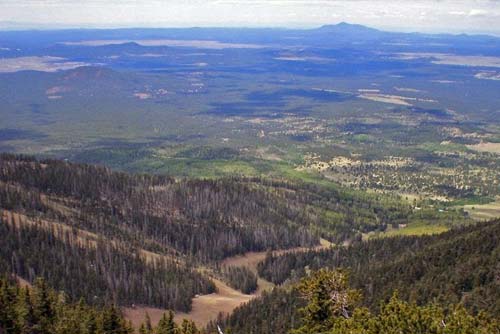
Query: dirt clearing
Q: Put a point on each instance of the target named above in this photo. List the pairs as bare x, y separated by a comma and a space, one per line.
207, 307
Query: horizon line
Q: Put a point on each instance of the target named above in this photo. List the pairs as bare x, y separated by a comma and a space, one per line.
15, 26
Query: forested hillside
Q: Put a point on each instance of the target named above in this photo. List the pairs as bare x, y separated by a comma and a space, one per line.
141, 239
275, 312
332, 307
41, 310
190, 217
323, 302
97, 271
228, 216
461, 265
137, 239
457, 267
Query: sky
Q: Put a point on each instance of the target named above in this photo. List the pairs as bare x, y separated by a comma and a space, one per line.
469, 16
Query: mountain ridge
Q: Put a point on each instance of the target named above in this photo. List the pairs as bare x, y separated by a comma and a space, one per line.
341, 27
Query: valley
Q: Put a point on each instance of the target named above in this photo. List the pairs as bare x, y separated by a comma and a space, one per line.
206, 308
315, 108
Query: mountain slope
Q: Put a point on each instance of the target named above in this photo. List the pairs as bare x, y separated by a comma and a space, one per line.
182, 217
459, 266
141, 239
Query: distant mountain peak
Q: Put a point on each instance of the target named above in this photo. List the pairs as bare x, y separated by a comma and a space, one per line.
344, 27
346, 24
83, 74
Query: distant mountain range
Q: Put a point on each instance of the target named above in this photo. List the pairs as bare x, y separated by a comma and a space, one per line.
342, 35
339, 28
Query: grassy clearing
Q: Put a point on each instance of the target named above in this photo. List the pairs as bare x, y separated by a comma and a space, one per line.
188, 167
471, 201
484, 211
444, 147
414, 229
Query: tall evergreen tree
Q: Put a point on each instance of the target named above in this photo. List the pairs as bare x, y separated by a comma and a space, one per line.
188, 327
43, 308
111, 322
25, 314
146, 327
7, 311
166, 325
330, 310
329, 297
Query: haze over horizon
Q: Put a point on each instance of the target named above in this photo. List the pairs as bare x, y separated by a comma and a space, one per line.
431, 16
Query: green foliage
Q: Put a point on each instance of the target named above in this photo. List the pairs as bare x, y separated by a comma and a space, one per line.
329, 299
398, 316
111, 321
43, 308
274, 312
146, 327
456, 266
417, 228
208, 153
40, 310
188, 327
166, 325
240, 278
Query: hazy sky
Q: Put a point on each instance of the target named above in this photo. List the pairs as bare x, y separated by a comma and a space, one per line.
425, 15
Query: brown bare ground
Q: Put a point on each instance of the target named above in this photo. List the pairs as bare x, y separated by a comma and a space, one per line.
206, 308
486, 147
251, 259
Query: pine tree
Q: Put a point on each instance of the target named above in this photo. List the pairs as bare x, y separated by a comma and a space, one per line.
7, 311
166, 325
25, 314
112, 322
88, 318
397, 316
147, 324
328, 297
43, 308
146, 327
188, 327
